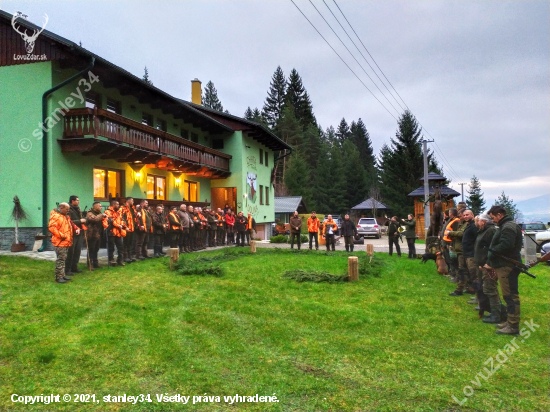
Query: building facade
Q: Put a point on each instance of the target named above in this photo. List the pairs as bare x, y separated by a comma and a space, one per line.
72, 123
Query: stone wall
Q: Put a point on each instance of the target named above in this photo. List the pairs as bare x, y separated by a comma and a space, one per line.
26, 235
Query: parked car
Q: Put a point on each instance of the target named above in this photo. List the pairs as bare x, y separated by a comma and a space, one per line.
367, 226
533, 227
542, 239
545, 248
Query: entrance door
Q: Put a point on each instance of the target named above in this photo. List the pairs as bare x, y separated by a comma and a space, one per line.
222, 196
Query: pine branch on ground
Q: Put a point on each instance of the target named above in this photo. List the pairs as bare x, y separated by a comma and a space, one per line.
300, 275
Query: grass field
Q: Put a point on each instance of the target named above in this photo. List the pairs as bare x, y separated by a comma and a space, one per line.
393, 342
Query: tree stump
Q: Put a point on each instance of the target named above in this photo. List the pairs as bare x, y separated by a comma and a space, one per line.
370, 249
353, 268
174, 254
253, 246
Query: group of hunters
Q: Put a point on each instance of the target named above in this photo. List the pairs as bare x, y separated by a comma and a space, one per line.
480, 252
477, 249
129, 227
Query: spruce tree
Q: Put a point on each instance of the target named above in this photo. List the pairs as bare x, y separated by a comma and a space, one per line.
322, 190
146, 78
508, 204
297, 181
336, 180
361, 139
210, 97
248, 115
273, 106
330, 136
297, 96
475, 200
356, 181
342, 132
402, 165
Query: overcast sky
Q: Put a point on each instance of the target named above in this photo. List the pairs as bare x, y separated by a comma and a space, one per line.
475, 73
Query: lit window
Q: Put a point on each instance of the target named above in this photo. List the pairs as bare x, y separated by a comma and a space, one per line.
107, 183
191, 191
156, 187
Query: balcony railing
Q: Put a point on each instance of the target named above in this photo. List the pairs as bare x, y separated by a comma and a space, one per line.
98, 122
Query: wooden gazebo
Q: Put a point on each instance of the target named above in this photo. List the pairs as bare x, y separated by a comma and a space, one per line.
434, 180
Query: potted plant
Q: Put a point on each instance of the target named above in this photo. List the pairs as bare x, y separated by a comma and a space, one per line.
18, 214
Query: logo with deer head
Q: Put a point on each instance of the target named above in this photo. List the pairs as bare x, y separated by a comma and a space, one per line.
29, 40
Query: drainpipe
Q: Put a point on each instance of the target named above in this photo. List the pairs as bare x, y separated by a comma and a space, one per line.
285, 155
45, 149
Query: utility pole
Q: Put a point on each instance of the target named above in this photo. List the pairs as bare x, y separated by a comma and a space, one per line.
426, 188
462, 185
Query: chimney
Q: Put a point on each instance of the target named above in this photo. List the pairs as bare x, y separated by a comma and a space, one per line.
196, 91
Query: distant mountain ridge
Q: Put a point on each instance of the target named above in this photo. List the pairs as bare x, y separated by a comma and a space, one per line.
536, 208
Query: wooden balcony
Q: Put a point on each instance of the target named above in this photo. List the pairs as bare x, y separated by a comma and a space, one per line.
97, 132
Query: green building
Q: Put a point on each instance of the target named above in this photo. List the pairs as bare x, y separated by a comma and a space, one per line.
72, 123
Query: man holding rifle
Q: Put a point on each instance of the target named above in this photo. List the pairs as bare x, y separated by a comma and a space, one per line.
506, 246
116, 230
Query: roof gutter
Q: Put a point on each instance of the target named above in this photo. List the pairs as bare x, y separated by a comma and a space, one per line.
45, 148
286, 154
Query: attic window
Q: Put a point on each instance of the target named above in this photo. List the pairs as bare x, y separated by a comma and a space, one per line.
161, 125
147, 119
194, 137
93, 99
113, 106
185, 134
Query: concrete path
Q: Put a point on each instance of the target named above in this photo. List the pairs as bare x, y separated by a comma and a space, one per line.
380, 245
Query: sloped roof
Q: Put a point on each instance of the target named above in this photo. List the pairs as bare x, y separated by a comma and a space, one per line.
290, 204
196, 117
255, 130
446, 191
367, 204
433, 176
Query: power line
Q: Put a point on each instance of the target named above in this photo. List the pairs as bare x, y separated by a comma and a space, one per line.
364, 58
369, 53
343, 61
351, 54
451, 170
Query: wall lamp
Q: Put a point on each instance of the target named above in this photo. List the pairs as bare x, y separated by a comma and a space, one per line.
177, 178
136, 167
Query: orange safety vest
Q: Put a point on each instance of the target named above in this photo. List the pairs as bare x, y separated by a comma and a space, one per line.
446, 237
249, 224
177, 219
60, 226
313, 225
220, 219
330, 222
117, 222
203, 220
125, 211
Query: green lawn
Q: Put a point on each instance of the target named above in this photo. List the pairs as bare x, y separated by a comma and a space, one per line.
393, 342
